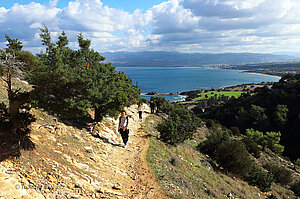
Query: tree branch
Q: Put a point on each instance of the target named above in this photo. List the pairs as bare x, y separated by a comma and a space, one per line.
16, 91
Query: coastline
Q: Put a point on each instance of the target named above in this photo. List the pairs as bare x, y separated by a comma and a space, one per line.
161, 82
257, 73
186, 94
169, 97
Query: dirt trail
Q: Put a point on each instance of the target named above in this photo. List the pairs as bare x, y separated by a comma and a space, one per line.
74, 163
128, 167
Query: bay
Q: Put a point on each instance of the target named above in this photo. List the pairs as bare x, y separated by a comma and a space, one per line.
179, 79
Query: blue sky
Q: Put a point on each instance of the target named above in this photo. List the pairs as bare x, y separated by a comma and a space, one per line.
206, 26
131, 5
127, 5
10, 3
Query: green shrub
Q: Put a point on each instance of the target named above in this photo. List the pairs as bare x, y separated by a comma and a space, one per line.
260, 178
255, 135
281, 174
162, 104
29, 59
233, 157
273, 139
268, 139
297, 162
296, 187
213, 141
252, 147
180, 126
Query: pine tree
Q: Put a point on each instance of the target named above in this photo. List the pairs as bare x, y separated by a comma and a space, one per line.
69, 82
11, 67
56, 79
14, 45
107, 90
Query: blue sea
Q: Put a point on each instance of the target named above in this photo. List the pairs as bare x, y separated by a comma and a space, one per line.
179, 79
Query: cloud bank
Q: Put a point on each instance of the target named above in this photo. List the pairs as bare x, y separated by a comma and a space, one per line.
174, 25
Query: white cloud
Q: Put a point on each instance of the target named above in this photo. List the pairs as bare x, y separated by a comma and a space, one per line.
92, 15
184, 25
22, 21
242, 24
171, 17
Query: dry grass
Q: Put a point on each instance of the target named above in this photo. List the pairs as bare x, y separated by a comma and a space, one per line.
184, 172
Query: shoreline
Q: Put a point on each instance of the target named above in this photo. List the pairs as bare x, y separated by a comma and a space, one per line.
257, 73
181, 97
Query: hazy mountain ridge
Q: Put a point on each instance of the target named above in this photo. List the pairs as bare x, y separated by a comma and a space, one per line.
164, 58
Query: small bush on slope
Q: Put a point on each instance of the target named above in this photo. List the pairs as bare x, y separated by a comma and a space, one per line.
252, 147
281, 174
233, 157
210, 146
180, 125
260, 178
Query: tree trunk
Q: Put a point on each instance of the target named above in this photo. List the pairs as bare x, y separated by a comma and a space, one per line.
15, 101
13, 110
98, 117
13, 106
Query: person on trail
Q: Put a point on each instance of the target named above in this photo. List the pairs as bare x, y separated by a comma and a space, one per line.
140, 110
152, 106
123, 127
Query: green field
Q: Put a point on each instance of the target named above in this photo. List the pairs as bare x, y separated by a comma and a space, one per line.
218, 93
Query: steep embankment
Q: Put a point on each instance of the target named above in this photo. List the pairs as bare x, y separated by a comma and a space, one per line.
184, 172
79, 163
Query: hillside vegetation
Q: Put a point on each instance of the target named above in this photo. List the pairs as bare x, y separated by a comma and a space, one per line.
275, 109
184, 172
58, 134
250, 154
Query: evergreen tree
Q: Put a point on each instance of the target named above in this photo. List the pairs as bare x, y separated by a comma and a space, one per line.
17, 98
107, 90
14, 45
69, 82
56, 79
268, 139
259, 118
280, 115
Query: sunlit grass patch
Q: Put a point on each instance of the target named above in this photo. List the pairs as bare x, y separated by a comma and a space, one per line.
209, 94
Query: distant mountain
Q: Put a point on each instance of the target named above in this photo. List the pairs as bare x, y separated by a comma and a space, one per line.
163, 58
294, 54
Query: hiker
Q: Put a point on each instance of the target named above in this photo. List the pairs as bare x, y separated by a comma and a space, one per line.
140, 110
152, 106
123, 128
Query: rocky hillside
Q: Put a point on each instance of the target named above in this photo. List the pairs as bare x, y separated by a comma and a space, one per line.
70, 162
73, 161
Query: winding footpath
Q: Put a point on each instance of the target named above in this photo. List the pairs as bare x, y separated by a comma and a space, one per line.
128, 168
